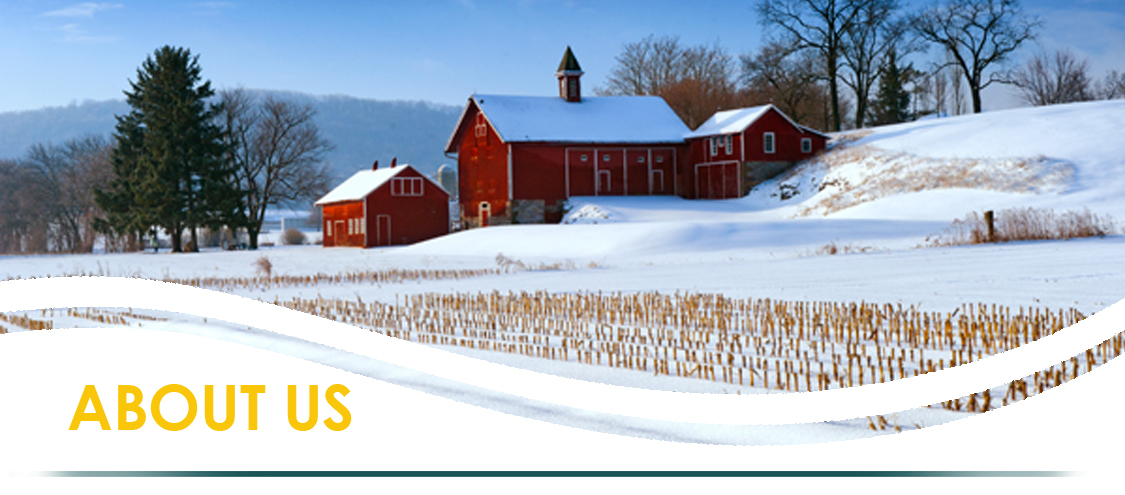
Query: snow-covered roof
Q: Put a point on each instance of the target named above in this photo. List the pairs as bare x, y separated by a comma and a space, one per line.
595, 119
363, 183
732, 121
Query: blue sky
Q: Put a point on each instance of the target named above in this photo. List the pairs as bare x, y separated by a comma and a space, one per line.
55, 53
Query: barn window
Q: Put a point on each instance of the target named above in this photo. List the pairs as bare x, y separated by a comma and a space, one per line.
328, 228
730, 144
806, 145
767, 142
605, 158
362, 225
714, 146
640, 159
351, 228
481, 129
583, 157
406, 186
659, 159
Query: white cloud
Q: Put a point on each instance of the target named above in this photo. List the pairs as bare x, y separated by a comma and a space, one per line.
86, 9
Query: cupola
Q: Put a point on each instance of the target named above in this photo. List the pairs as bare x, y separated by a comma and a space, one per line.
570, 88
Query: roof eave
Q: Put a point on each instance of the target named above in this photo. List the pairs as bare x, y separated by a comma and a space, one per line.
450, 145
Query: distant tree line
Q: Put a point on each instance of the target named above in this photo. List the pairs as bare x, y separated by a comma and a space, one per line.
838, 64
182, 161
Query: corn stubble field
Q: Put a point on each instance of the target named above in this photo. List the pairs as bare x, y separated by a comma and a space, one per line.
793, 346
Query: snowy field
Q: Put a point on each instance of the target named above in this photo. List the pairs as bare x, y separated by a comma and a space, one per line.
761, 246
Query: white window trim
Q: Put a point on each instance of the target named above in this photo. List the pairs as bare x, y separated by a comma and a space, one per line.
730, 144
406, 186
769, 145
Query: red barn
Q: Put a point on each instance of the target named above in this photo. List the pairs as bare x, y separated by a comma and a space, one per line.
520, 157
384, 207
736, 150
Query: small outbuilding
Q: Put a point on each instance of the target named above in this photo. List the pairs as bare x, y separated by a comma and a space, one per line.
384, 207
735, 150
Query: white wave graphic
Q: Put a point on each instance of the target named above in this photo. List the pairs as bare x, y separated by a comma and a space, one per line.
784, 409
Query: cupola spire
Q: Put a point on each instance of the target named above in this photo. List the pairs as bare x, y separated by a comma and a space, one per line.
568, 74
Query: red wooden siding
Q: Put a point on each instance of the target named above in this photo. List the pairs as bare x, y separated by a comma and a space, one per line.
406, 209
482, 167
406, 219
787, 140
337, 217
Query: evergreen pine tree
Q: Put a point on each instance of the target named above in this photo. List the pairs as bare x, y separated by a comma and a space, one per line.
892, 102
169, 157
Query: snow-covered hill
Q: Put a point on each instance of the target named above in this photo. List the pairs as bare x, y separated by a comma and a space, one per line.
1063, 157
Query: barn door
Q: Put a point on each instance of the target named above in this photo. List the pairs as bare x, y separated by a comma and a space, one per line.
605, 182
580, 179
717, 180
656, 182
382, 230
339, 235
485, 213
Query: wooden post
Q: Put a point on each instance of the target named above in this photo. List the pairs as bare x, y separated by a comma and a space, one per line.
989, 220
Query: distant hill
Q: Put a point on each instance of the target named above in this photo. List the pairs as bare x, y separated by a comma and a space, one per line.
362, 130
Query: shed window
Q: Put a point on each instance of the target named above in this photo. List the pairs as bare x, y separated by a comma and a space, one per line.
767, 142
351, 228
806, 145
406, 186
730, 144
714, 146
362, 225
328, 228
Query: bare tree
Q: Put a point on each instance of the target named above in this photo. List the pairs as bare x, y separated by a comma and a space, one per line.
645, 67
979, 34
696, 81
1052, 79
696, 100
940, 86
1112, 87
788, 78
278, 152
818, 25
63, 178
957, 85
865, 46
20, 214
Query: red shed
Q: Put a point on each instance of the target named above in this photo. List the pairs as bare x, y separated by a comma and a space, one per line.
736, 150
520, 157
383, 207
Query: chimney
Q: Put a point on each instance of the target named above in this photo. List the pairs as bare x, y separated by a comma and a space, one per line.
375, 166
394, 161
568, 74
